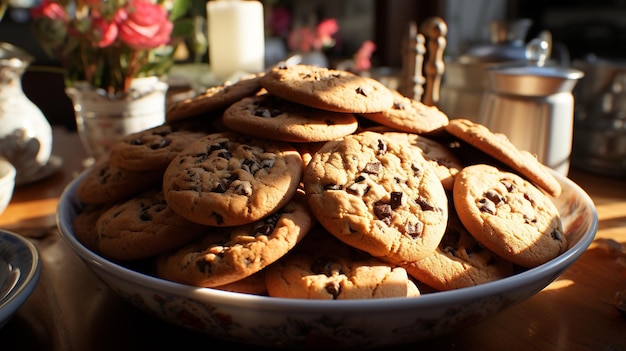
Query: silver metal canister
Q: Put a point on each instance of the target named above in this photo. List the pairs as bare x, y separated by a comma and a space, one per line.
534, 107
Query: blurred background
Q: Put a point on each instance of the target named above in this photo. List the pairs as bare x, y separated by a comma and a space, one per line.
583, 27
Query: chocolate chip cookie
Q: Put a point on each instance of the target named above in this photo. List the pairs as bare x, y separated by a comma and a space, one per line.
153, 148
224, 255
500, 147
445, 163
327, 89
459, 261
214, 99
324, 268
269, 116
107, 183
226, 179
409, 115
508, 215
377, 195
141, 227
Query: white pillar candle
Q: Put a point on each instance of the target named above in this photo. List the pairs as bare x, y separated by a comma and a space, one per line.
236, 37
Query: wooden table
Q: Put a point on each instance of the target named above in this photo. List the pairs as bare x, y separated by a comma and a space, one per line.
72, 310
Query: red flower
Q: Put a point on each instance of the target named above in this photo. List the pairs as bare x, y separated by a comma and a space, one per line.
106, 31
306, 39
144, 25
51, 10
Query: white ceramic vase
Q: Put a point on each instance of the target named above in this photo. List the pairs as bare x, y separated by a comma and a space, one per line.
101, 120
25, 133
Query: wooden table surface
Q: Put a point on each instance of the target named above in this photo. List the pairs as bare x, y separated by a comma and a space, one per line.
71, 309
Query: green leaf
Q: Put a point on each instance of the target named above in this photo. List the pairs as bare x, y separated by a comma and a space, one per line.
183, 27
179, 9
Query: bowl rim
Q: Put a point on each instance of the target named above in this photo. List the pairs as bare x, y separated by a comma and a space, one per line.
8, 171
364, 306
28, 278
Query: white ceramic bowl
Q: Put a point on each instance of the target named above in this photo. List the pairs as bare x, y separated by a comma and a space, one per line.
7, 183
20, 268
277, 322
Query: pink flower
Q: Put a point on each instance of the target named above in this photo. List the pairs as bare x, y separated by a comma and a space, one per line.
144, 25
362, 57
325, 31
51, 10
306, 39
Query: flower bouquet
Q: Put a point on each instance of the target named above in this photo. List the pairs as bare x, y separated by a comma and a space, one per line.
114, 54
108, 43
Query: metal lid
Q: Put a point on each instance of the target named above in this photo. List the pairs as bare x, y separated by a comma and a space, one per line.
533, 80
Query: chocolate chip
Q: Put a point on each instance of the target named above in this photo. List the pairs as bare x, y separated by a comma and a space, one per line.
242, 187
382, 210
204, 266
324, 265
266, 227
224, 184
359, 189
372, 168
395, 199
557, 235
250, 166
267, 163
267, 112
145, 216
414, 230
333, 288
163, 143
424, 205
332, 187
507, 184
223, 145
225, 154
399, 105
200, 157
417, 170
220, 188
495, 197
136, 141
487, 206
382, 147
529, 199
219, 219
361, 91
529, 220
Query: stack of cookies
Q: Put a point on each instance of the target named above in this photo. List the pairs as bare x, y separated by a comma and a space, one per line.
308, 182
